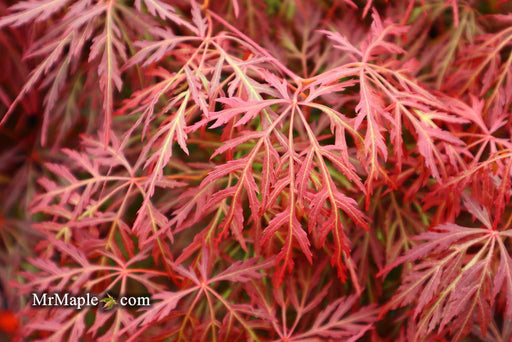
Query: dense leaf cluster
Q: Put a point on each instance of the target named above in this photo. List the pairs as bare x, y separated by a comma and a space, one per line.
264, 170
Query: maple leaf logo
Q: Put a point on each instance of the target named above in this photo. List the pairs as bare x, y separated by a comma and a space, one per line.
109, 301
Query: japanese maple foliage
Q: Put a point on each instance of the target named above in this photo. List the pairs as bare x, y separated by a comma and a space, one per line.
264, 170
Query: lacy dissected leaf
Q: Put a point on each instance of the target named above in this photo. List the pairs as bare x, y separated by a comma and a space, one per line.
78, 203
456, 277
202, 288
391, 101
85, 275
84, 32
486, 70
62, 46
307, 178
28, 11
78, 277
337, 319
58, 324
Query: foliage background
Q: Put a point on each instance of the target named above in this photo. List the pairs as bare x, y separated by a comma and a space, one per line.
265, 170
